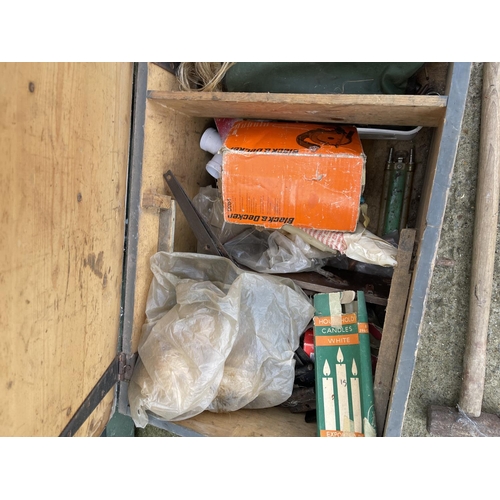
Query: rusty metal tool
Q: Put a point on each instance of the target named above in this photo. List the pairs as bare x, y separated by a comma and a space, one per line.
385, 193
407, 191
200, 228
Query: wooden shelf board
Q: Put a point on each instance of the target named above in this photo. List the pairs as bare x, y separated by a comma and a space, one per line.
395, 110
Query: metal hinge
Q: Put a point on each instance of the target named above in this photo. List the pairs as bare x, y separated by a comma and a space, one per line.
120, 370
126, 363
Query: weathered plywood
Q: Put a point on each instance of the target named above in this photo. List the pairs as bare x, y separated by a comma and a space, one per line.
171, 141
393, 325
409, 110
435, 146
64, 144
269, 422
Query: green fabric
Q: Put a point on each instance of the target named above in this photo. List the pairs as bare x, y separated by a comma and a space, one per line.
320, 78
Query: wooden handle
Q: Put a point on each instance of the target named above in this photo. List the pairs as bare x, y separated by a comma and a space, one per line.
484, 243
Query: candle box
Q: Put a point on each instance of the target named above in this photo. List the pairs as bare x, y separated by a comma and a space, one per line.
303, 174
343, 367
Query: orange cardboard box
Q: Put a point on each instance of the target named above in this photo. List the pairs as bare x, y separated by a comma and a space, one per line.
304, 174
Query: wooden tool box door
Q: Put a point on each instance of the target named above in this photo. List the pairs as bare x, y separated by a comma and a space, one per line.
64, 151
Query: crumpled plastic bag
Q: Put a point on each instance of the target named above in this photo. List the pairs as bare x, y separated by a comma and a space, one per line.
364, 246
273, 252
216, 338
361, 245
261, 250
208, 202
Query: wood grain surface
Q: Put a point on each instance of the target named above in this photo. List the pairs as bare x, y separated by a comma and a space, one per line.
64, 144
484, 243
410, 110
269, 422
391, 336
171, 141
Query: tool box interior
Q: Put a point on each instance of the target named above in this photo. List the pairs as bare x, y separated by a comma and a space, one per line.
85, 205
167, 130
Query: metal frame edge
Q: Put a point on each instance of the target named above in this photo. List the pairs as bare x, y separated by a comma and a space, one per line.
134, 190
429, 246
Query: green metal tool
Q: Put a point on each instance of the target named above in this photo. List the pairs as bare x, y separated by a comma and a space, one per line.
385, 193
395, 197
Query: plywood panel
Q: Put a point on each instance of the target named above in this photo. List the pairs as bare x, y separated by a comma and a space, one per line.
64, 145
171, 141
410, 110
391, 336
269, 422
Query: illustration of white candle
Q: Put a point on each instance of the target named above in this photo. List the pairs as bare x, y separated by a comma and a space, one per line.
342, 395
328, 398
356, 399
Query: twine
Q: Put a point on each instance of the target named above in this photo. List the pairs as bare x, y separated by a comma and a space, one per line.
202, 76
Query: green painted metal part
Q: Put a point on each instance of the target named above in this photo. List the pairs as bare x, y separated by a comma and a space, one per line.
120, 426
395, 198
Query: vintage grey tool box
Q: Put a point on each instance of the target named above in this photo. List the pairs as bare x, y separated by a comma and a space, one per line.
84, 205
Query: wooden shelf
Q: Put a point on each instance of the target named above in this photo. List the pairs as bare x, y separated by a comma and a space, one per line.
267, 422
395, 110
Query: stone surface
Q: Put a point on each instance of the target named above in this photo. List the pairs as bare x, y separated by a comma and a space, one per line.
152, 431
438, 369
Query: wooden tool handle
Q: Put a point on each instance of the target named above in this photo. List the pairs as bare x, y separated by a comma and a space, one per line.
483, 250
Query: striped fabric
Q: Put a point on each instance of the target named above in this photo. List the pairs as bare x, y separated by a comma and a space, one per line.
333, 239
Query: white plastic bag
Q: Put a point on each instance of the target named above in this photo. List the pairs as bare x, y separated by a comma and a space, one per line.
273, 252
367, 247
216, 338
208, 202
261, 250
361, 245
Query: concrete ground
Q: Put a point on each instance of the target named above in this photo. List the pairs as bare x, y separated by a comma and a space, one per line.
438, 371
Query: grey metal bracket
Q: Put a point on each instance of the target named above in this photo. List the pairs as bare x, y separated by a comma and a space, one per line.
120, 369
171, 67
